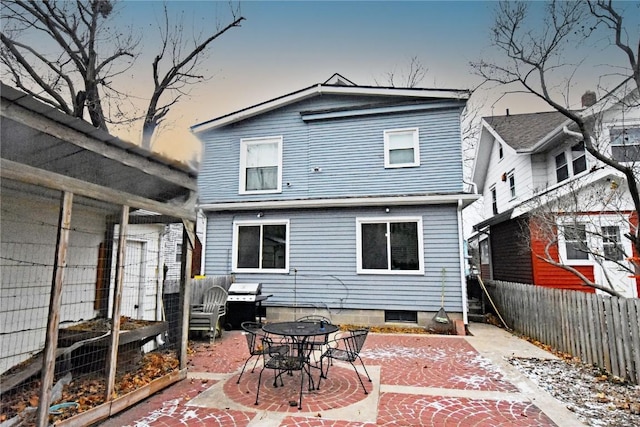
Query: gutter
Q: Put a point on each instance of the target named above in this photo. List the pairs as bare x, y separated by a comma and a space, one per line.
399, 200
566, 130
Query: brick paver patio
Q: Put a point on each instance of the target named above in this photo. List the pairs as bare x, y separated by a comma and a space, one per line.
418, 380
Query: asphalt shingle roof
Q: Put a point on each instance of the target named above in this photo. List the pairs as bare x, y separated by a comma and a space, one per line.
524, 131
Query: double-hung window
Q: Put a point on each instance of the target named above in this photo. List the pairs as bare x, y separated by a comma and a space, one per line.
575, 241
261, 246
261, 165
625, 143
562, 168
494, 200
511, 177
178, 252
611, 243
389, 245
401, 148
571, 162
579, 162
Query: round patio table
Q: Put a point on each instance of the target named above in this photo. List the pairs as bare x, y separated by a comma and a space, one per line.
298, 333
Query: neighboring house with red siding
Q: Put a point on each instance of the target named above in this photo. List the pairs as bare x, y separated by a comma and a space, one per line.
530, 168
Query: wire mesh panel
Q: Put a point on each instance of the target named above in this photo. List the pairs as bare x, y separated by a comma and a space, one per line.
147, 347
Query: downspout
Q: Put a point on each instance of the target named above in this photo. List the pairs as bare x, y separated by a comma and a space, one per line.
463, 280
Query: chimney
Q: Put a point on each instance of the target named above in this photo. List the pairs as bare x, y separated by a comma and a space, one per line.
588, 99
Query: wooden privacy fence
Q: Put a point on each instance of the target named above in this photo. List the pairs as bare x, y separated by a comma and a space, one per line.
200, 285
600, 330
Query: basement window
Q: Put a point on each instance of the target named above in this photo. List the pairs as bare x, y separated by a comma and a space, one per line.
401, 316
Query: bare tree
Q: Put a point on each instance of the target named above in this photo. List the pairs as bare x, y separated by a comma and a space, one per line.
533, 59
411, 76
69, 55
181, 72
69, 78
557, 218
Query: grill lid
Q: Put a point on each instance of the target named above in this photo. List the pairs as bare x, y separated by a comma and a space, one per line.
245, 289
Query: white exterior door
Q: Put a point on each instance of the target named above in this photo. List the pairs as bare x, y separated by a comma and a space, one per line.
615, 247
133, 286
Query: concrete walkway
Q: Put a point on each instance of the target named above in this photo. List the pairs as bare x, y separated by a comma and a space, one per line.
417, 380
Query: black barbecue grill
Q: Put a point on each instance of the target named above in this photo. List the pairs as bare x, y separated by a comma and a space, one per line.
244, 304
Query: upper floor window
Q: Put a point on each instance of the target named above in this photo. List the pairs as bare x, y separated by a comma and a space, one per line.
500, 151
261, 165
261, 246
494, 200
625, 143
579, 157
562, 168
178, 252
511, 177
401, 148
571, 162
391, 246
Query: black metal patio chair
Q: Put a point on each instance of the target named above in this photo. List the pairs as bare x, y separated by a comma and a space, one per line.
294, 360
255, 336
346, 348
319, 342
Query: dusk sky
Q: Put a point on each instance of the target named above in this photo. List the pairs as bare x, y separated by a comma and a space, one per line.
285, 46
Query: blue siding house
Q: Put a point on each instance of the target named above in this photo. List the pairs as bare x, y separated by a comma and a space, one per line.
341, 200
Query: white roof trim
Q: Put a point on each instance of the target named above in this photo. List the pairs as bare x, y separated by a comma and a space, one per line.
342, 202
320, 89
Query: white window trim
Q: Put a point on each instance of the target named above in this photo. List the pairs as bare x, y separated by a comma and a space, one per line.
386, 219
616, 124
416, 148
569, 158
512, 174
493, 191
243, 164
562, 247
234, 263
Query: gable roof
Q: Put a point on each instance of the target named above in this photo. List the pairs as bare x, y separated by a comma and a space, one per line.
523, 132
343, 87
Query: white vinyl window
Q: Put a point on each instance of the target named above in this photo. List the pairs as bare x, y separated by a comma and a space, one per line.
401, 148
389, 245
261, 165
261, 246
575, 241
494, 200
571, 162
611, 245
511, 177
178, 252
625, 143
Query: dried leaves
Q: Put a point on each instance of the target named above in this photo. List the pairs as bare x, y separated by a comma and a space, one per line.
88, 391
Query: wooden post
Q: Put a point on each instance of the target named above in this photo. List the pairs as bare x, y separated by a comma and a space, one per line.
55, 300
112, 353
188, 243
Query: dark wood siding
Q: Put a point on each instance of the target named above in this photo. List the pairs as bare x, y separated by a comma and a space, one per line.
510, 255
